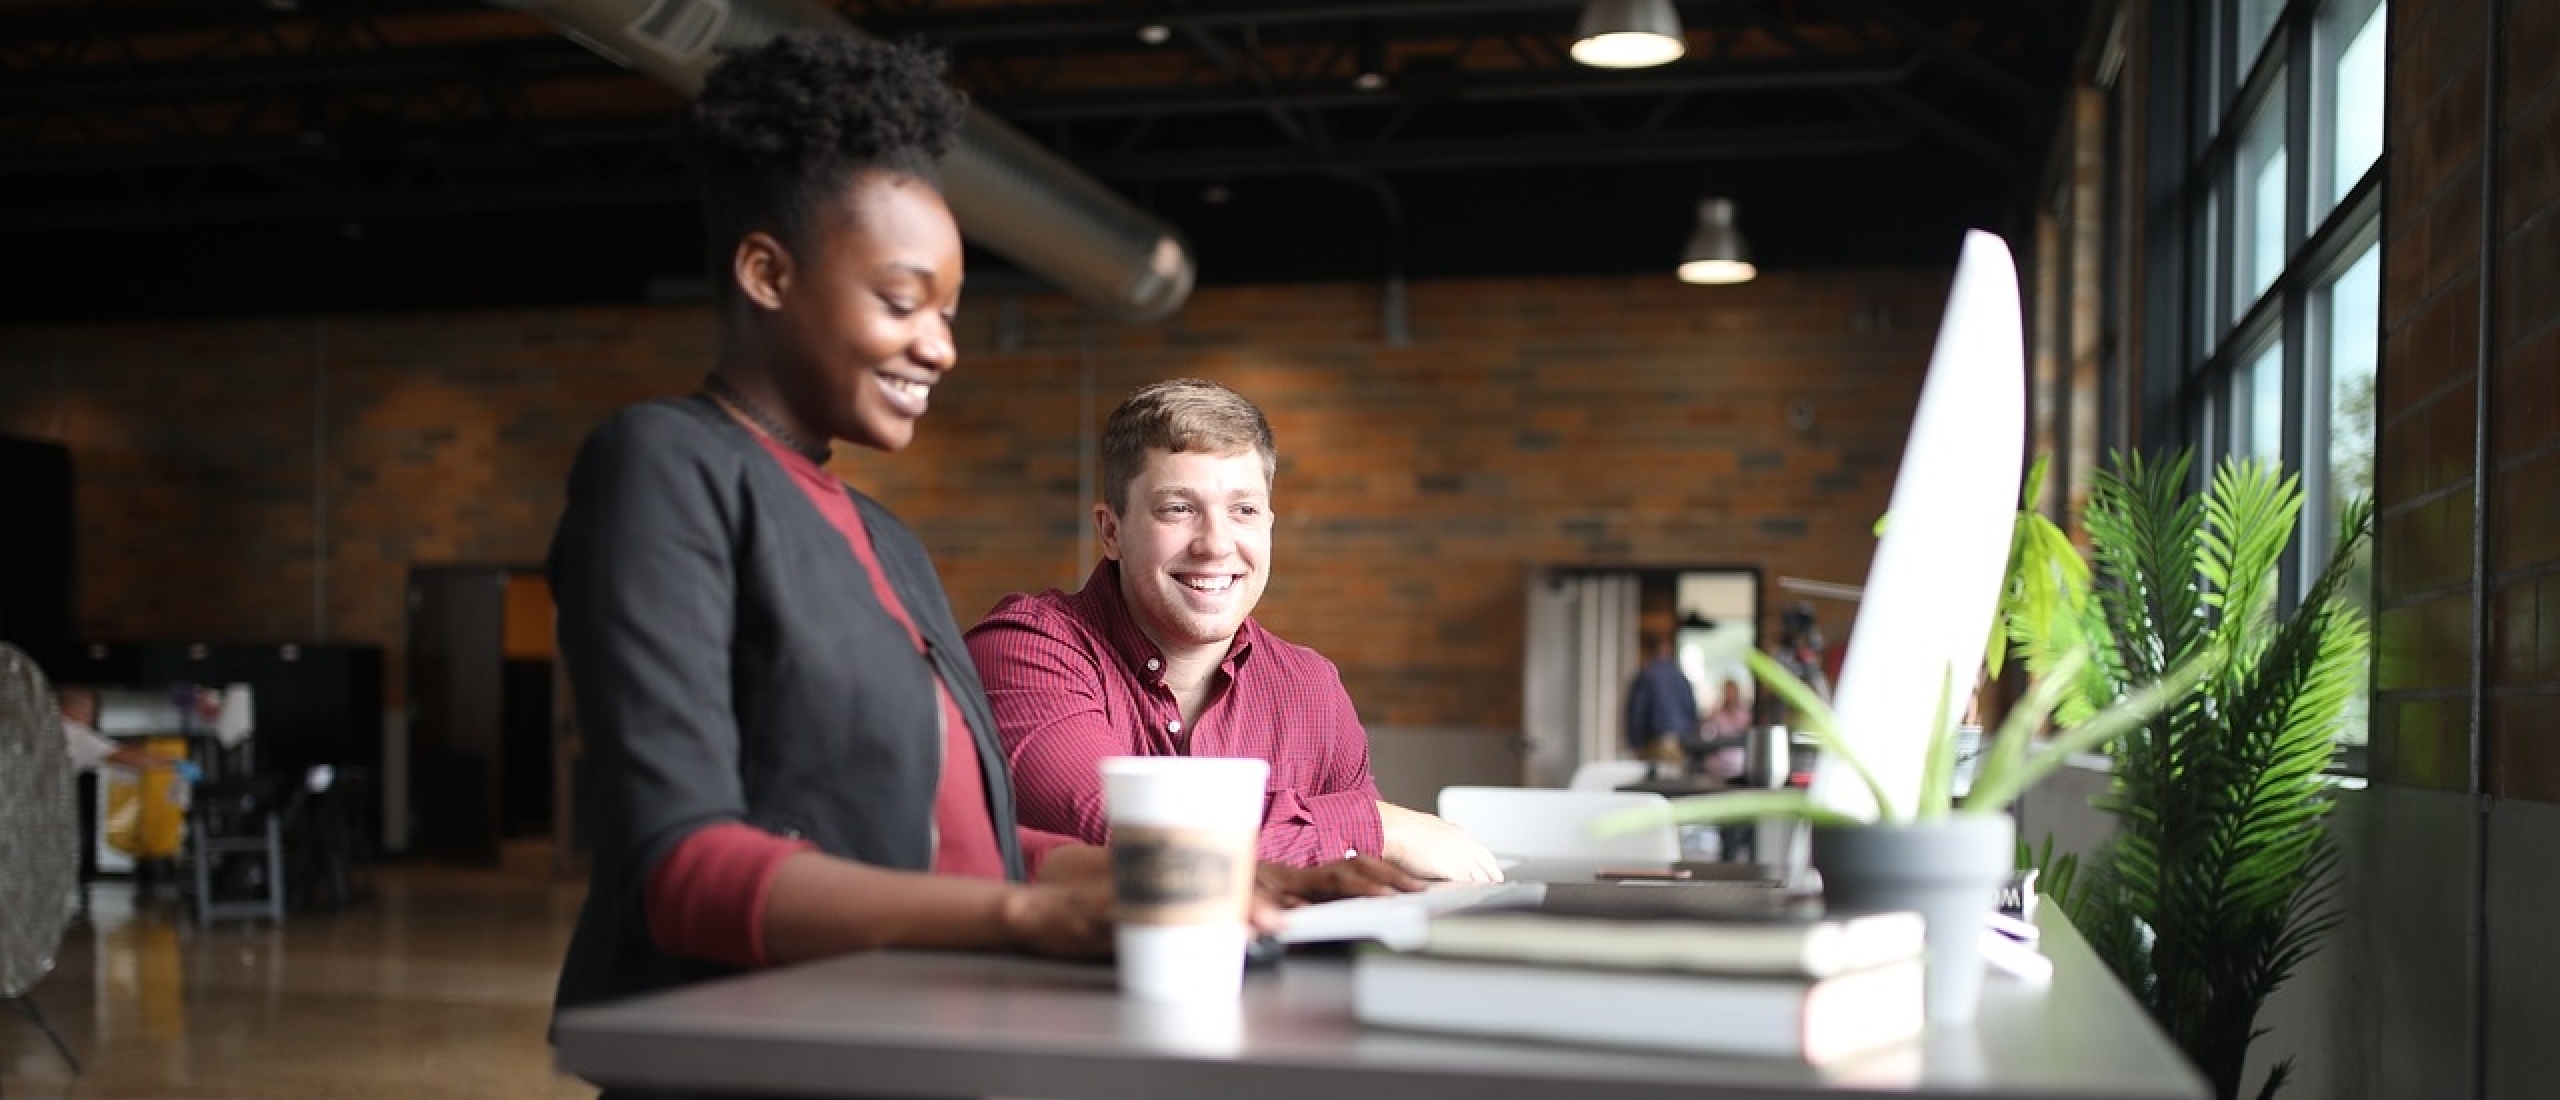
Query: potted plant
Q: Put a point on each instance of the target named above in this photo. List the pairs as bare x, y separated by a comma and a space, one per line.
1944, 855
2217, 882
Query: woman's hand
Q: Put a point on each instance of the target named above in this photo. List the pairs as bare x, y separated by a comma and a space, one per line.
1357, 877
1072, 918
1069, 919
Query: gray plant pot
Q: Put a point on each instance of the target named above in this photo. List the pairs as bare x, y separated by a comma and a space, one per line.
1950, 871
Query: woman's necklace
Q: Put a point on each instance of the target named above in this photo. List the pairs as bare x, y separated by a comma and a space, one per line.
718, 388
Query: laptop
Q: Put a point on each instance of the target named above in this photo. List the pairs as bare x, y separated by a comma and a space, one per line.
1577, 887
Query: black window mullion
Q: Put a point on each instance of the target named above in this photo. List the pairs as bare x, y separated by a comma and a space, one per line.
2347, 229
2112, 284
2170, 93
2227, 65
2291, 284
2217, 174
2225, 170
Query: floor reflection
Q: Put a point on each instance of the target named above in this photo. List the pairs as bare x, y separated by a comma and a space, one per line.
438, 986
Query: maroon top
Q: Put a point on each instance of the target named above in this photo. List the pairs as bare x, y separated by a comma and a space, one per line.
1073, 680
706, 899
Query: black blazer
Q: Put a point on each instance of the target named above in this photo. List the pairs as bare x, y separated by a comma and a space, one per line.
730, 662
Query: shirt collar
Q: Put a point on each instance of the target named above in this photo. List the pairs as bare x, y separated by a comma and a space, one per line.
1101, 601
798, 465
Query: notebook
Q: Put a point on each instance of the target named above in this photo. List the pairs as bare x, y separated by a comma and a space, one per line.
1403, 921
1815, 1020
1400, 920
1749, 939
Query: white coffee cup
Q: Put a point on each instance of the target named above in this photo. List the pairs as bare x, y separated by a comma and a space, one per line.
1183, 835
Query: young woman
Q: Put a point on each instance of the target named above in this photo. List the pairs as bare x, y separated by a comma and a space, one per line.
791, 753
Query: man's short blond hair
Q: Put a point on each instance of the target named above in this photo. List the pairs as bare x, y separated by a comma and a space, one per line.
1179, 416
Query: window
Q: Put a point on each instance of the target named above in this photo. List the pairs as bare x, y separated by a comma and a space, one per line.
2347, 317
2280, 217
2350, 309
2257, 428
2346, 98
2257, 21
2258, 225
2282, 205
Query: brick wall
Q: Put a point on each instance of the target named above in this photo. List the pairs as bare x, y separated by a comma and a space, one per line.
2424, 411
2523, 719
276, 478
2428, 472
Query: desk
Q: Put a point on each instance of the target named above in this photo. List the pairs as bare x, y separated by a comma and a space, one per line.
1736, 841
918, 1024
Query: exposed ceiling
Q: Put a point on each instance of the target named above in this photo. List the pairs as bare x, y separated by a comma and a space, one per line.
253, 156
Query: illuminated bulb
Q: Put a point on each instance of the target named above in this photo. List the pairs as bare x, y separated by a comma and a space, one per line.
1628, 34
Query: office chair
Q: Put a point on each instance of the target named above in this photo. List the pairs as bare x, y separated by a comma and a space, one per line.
1543, 823
235, 849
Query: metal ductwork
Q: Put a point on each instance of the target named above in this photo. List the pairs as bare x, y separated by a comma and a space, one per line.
1009, 194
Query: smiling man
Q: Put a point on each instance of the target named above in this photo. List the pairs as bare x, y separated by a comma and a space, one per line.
1159, 654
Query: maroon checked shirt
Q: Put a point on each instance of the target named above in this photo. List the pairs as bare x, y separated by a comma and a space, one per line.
1074, 680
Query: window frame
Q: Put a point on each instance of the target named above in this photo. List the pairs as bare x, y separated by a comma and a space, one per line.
2200, 339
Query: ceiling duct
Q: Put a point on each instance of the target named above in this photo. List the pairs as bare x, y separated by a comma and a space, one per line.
1010, 194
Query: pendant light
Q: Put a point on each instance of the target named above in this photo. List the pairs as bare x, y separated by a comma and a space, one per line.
1628, 34
1371, 62
1717, 254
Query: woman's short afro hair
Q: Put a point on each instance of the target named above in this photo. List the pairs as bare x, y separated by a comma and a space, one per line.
781, 127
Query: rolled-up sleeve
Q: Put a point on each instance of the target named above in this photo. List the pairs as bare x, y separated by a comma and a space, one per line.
1303, 831
706, 900
1339, 817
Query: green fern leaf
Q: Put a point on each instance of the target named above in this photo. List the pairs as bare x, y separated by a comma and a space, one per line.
2219, 882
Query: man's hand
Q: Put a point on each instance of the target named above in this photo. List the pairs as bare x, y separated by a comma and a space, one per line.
1357, 877
1432, 848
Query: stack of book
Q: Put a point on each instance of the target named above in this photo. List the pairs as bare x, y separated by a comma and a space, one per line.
1770, 978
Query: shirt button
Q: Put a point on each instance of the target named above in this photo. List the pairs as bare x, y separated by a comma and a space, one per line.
1154, 664
1351, 853
1174, 726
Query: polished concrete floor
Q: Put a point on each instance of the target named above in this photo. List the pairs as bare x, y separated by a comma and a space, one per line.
439, 985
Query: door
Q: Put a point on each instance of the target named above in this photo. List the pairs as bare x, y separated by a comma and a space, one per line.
1583, 634
1581, 651
457, 669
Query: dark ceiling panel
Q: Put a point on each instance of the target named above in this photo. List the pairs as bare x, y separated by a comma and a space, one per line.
220, 156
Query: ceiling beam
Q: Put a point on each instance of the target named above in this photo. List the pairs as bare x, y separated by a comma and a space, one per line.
423, 143
356, 206
202, 16
334, 67
1955, 132
2007, 84
1337, 94
1674, 148
1044, 22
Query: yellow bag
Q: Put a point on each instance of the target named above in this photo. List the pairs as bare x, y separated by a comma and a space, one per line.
145, 811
